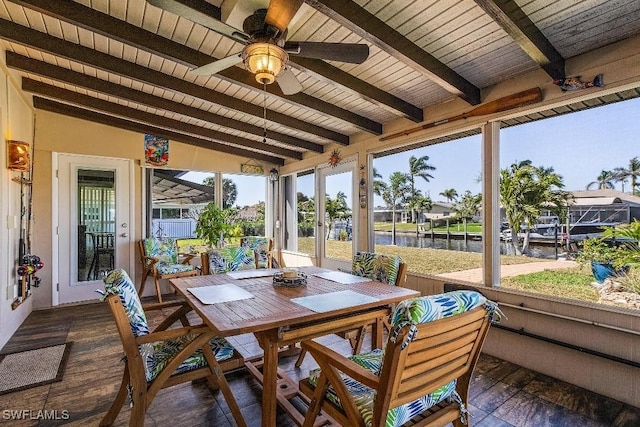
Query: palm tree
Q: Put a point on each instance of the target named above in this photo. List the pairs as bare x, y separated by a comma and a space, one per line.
632, 172
395, 194
420, 203
604, 181
450, 194
335, 209
467, 207
378, 184
418, 167
525, 191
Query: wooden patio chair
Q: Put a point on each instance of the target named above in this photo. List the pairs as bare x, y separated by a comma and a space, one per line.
160, 260
164, 357
386, 269
228, 258
422, 376
263, 247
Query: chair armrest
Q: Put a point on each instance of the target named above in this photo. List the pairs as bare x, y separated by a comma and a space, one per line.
149, 261
187, 258
172, 333
178, 315
161, 305
341, 363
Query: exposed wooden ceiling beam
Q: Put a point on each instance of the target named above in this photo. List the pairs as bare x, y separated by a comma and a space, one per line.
92, 103
58, 47
375, 31
524, 32
92, 116
330, 74
64, 75
108, 26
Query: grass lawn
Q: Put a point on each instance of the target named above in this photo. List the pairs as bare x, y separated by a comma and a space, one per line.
572, 283
568, 283
419, 260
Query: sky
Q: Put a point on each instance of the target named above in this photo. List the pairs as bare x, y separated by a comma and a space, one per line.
578, 146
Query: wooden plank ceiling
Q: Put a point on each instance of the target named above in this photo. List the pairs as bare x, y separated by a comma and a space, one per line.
128, 63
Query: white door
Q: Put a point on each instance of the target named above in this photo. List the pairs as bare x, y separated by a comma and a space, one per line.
94, 230
336, 228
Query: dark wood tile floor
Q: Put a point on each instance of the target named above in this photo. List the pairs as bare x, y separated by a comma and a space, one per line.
502, 394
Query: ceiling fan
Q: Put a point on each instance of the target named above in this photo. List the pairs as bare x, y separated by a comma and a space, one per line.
266, 52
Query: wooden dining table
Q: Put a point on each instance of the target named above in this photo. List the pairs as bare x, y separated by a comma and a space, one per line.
269, 313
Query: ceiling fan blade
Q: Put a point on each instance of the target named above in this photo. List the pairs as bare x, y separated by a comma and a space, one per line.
281, 12
203, 13
219, 65
344, 52
288, 82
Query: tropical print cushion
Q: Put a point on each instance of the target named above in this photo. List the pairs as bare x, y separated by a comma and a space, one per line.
364, 396
156, 356
410, 312
173, 268
166, 250
433, 307
231, 258
118, 283
260, 245
376, 267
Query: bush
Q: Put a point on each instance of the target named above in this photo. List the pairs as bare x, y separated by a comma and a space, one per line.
306, 229
213, 225
597, 250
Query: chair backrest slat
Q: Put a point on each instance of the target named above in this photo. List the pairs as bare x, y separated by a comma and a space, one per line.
423, 366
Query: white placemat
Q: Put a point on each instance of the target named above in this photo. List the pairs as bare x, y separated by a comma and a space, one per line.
250, 274
220, 293
333, 301
342, 277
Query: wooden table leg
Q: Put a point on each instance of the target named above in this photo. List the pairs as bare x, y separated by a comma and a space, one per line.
268, 340
376, 333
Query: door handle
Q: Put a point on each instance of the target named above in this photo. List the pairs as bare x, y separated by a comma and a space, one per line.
320, 224
124, 235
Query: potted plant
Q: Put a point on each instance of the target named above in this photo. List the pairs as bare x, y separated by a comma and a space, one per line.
603, 257
213, 225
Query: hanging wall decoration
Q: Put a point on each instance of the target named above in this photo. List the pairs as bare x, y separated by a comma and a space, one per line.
334, 158
252, 167
18, 156
156, 150
575, 83
362, 187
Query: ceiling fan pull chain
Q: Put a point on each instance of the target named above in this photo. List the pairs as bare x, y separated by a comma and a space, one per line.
264, 113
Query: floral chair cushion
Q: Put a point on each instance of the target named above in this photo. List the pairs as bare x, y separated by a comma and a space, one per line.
410, 312
364, 396
419, 310
260, 245
231, 258
376, 267
173, 268
119, 283
156, 355
166, 250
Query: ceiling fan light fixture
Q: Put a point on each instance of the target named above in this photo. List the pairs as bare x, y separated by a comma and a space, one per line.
265, 60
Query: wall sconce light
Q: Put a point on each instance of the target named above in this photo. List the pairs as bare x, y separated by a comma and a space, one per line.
18, 156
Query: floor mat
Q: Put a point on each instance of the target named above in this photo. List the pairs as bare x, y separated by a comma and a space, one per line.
31, 368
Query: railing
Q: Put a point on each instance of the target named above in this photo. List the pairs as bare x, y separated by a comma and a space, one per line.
176, 228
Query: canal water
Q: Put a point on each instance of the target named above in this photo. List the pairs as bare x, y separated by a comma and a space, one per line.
410, 240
